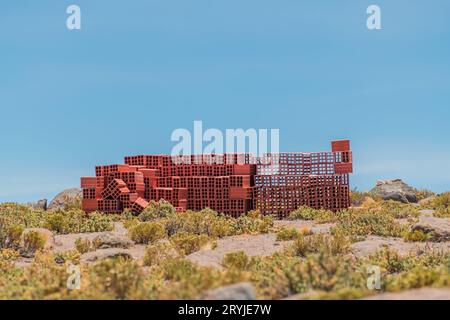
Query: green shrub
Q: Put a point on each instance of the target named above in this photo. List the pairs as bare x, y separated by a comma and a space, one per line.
357, 198
120, 278
440, 201
207, 222
7, 257
418, 277
32, 241
423, 194
77, 221
416, 236
10, 235
286, 234
252, 224
442, 212
397, 209
187, 243
155, 254
359, 223
238, 260
216, 225
392, 263
72, 256
147, 232
157, 210
178, 269
308, 213
127, 215
333, 245
83, 245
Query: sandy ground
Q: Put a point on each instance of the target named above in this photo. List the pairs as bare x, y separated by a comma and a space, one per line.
252, 245
374, 243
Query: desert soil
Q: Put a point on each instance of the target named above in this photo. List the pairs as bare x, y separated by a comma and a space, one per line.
264, 245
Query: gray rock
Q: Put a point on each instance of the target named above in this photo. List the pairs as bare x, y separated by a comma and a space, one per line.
437, 228
65, 197
395, 190
105, 254
112, 240
238, 291
40, 204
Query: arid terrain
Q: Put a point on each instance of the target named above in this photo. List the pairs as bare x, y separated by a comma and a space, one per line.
378, 249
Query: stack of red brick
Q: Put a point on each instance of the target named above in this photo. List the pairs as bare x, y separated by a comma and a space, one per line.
274, 184
318, 180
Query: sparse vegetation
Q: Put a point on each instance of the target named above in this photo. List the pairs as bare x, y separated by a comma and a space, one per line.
238, 260
307, 213
333, 245
357, 198
286, 234
187, 243
423, 194
318, 262
32, 241
442, 212
155, 254
416, 236
441, 201
157, 210
147, 232
357, 224
83, 245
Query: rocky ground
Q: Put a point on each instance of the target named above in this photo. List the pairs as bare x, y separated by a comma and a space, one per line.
117, 243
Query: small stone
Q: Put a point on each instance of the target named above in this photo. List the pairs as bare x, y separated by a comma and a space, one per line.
105, 254
112, 240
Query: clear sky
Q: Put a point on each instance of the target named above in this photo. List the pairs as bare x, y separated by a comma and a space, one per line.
139, 69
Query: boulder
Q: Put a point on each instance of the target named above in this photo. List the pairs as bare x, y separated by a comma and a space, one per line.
238, 291
112, 240
40, 204
66, 197
437, 228
395, 190
105, 254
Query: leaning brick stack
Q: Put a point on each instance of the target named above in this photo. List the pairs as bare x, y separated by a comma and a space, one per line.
232, 183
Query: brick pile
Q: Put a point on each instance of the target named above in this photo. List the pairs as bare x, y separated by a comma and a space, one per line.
231, 184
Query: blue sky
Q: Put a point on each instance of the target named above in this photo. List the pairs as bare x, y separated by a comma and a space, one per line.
139, 69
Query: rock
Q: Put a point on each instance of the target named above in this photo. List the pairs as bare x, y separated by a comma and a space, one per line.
112, 240
65, 197
238, 291
27, 251
395, 190
437, 228
41, 204
105, 254
415, 294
